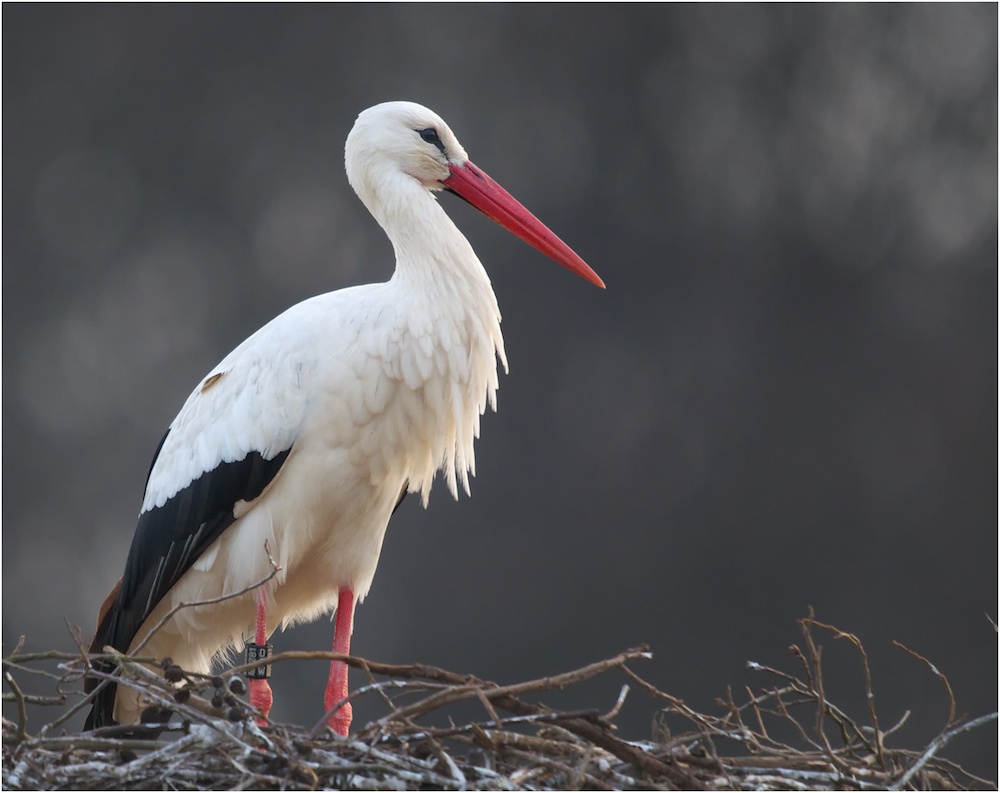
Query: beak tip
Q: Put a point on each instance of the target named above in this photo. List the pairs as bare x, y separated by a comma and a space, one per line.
476, 188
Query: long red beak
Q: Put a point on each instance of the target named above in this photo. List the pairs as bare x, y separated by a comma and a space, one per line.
475, 186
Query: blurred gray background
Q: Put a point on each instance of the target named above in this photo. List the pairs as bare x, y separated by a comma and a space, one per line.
786, 397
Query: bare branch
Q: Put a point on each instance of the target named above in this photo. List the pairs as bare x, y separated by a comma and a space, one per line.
275, 569
937, 673
212, 740
939, 743
869, 694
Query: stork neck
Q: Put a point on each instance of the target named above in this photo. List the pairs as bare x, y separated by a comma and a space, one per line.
430, 250
446, 331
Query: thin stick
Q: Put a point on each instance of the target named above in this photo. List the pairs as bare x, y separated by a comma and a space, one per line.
22, 711
839, 634
937, 673
275, 569
939, 743
619, 703
469, 687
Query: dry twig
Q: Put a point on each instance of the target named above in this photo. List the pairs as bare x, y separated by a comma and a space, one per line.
213, 742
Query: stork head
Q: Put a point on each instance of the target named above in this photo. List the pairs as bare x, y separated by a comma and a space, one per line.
396, 143
404, 136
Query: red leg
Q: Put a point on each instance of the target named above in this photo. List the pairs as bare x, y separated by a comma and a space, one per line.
336, 687
260, 691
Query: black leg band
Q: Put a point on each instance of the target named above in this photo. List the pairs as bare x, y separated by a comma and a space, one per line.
258, 652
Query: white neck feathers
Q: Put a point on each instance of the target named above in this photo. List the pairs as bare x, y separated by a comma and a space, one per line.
449, 339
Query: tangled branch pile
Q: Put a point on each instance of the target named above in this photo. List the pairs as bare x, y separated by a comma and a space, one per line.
212, 741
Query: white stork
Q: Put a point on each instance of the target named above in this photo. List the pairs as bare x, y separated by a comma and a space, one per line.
307, 436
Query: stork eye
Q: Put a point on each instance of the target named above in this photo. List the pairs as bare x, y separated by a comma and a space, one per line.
430, 135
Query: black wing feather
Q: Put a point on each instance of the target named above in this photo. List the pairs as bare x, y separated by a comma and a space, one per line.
167, 541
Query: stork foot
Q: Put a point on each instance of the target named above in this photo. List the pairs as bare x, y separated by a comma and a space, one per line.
336, 687
340, 722
336, 691
261, 698
260, 690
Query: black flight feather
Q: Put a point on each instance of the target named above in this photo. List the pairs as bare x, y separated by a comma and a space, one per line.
167, 541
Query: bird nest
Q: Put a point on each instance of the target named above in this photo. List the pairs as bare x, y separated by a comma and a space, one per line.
212, 740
